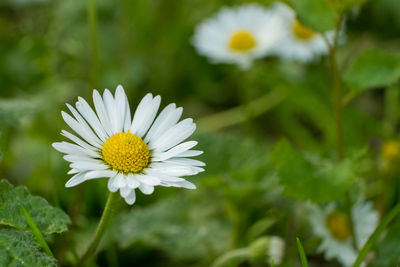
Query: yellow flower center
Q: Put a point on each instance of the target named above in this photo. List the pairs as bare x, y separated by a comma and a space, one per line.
339, 225
390, 151
302, 32
242, 41
126, 152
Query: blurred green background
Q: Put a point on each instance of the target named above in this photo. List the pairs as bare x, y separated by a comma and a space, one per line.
47, 59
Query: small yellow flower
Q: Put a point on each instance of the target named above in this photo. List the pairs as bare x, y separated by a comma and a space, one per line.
390, 155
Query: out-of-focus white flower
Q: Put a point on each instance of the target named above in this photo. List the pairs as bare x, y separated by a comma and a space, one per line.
268, 249
297, 41
334, 228
238, 35
142, 152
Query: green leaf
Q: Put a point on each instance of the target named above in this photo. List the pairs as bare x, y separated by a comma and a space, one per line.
316, 14
47, 218
17, 248
302, 254
372, 69
184, 229
344, 5
311, 178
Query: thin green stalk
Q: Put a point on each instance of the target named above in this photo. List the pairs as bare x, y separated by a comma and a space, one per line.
232, 258
391, 111
372, 239
92, 20
35, 230
303, 256
108, 213
337, 105
239, 114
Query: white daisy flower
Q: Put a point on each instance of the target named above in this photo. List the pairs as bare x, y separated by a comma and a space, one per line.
298, 42
276, 250
268, 249
142, 152
334, 228
237, 35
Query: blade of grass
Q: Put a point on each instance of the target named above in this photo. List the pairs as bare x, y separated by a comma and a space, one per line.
35, 230
372, 239
303, 256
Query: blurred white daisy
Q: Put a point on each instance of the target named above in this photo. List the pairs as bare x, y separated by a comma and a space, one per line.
142, 152
237, 35
268, 249
298, 42
334, 228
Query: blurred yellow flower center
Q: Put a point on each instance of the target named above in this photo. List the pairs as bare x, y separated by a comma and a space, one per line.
302, 32
126, 152
339, 225
390, 151
242, 41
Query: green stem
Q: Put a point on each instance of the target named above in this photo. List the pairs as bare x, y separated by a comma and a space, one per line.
391, 108
372, 239
302, 254
239, 114
35, 230
108, 213
92, 20
337, 105
232, 258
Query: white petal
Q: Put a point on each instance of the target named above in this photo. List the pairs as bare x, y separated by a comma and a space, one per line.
73, 171
78, 141
164, 177
189, 153
120, 181
80, 129
148, 180
183, 161
76, 179
76, 158
145, 114
85, 127
87, 112
184, 184
123, 108
172, 169
100, 174
174, 151
109, 103
132, 181
125, 191
111, 184
174, 135
102, 112
85, 165
146, 189
120, 104
168, 117
68, 148
131, 198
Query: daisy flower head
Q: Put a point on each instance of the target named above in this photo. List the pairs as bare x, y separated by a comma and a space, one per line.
298, 42
132, 153
334, 228
237, 35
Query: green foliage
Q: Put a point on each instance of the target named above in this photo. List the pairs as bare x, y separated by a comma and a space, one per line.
371, 69
317, 15
388, 249
311, 177
182, 227
48, 219
345, 5
17, 248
